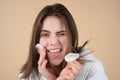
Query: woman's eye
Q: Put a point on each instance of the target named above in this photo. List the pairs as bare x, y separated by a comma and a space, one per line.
44, 35
62, 34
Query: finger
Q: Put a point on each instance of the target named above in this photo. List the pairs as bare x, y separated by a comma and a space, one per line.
44, 64
75, 66
78, 65
43, 52
42, 67
71, 75
68, 76
42, 56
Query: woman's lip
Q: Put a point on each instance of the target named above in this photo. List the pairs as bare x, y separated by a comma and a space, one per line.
54, 53
54, 50
57, 50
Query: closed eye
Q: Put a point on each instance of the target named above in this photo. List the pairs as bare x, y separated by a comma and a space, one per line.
61, 33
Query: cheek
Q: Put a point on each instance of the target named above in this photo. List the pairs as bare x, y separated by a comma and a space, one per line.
65, 44
42, 42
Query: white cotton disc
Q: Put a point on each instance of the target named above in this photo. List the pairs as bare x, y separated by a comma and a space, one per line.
38, 47
71, 57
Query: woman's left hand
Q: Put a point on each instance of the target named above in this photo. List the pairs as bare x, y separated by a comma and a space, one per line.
70, 71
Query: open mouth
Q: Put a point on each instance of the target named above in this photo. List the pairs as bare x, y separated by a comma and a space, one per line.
54, 52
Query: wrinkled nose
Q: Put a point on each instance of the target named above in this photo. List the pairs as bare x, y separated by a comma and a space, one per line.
53, 41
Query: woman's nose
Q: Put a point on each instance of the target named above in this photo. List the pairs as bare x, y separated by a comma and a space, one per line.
53, 40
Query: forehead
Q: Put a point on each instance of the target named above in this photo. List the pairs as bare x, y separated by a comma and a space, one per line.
53, 23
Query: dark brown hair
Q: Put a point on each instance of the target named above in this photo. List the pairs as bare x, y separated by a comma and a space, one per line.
60, 11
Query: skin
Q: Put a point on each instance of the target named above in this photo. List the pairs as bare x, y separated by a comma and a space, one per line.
70, 71
55, 42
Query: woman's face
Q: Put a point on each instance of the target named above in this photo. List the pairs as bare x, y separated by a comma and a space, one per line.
54, 38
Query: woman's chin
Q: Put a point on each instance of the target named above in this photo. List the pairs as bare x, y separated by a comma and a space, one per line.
56, 63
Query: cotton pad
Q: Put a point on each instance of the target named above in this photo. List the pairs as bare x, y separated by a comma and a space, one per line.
38, 47
71, 57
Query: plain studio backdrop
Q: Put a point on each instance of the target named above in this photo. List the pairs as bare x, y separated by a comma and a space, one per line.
97, 20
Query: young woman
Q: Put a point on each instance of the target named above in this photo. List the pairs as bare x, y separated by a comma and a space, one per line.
56, 31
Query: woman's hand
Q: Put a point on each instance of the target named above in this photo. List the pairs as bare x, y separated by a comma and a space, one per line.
42, 66
70, 71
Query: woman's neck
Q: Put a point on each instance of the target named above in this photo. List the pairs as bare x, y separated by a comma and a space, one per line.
56, 69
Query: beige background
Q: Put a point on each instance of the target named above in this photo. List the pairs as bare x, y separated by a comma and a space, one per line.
98, 20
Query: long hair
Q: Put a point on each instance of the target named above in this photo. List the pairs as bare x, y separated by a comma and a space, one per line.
59, 11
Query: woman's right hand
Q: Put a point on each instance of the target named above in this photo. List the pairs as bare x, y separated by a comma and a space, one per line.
42, 66
70, 71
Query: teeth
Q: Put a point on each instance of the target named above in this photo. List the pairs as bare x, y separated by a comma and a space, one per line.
54, 51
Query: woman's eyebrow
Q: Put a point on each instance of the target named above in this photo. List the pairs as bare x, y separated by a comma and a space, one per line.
45, 31
62, 31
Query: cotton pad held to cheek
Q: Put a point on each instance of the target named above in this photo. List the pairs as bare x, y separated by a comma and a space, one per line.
71, 57
38, 47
